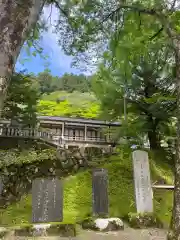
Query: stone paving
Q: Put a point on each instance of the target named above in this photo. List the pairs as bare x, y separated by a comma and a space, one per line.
126, 234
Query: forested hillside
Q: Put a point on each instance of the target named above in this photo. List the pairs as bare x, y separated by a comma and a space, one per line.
44, 94
75, 104
69, 95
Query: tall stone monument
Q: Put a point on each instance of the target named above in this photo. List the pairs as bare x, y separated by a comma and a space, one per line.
100, 191
142, 182
47, 200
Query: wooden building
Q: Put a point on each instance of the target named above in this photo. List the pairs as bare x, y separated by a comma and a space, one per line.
61, 131
78, 128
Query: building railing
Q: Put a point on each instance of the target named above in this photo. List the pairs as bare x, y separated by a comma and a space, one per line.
17, 132
49, 136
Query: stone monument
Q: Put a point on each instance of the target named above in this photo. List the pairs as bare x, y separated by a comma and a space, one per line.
100, 191
47, 200
142, 182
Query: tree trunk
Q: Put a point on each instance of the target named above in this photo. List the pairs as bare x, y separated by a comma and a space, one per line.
17, 17
153, 140
174, 232
153, 135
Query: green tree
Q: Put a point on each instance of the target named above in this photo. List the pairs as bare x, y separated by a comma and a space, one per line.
45, 81
68, 82
22, 98
136, 24
72, 82
19, 23
148, 91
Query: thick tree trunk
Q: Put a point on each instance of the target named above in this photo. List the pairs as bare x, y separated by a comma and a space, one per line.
17, 17
174, 232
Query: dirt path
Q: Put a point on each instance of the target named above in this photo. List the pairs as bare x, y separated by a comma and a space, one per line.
126, 234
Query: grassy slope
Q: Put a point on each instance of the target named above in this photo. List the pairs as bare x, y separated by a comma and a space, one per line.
77, 194
75, 104
71, 97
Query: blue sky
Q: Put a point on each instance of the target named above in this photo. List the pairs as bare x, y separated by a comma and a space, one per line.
59, 63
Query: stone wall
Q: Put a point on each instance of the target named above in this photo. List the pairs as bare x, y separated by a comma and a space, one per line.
18, 169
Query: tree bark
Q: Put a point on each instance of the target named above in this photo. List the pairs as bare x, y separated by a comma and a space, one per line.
17, 17
174, 232
153, 135
153, 140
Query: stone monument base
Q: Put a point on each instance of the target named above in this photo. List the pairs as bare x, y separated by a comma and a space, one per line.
44, 230
103, 224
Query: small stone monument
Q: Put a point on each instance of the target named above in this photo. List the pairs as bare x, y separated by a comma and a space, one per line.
47, 200
100, 191
142, 182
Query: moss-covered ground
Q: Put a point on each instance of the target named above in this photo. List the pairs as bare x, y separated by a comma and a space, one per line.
77, 193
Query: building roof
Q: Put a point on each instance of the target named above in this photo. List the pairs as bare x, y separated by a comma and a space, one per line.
79, 120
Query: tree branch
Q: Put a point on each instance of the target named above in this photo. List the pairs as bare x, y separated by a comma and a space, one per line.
173, 5
60, 8
131, 8
153, 12
49, 17
156, 34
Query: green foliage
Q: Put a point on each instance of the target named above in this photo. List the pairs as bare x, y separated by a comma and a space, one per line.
71, 82
133, 39
51, 108
19, 168
25, 91
83, 32
22, 99
68, 82
135, 57
14, 156
147, 87
70, 104
75, 97
44, 79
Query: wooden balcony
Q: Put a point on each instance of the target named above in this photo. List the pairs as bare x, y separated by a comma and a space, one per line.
63, 131
48, 136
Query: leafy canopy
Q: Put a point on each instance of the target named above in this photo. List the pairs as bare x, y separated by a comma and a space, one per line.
22, 99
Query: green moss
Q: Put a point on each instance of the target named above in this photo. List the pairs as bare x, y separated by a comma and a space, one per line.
78, 200
145, 220
163, 205
64, 230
